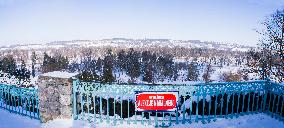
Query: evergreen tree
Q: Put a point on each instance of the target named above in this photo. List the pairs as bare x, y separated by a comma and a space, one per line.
46, 62
192, 73
61, 62
121, 60
9, 65
1, 66
148, 73
99, 65
175, 75
33, 63
56, 63
165, 66
93, 67
22, 73
107, 68
147, 67
154, 63
207, 74
133, 65
73, 67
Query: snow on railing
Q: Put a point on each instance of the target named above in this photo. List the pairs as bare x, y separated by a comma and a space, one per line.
199, 102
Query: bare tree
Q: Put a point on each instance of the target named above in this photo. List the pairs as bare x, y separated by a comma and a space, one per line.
271, 58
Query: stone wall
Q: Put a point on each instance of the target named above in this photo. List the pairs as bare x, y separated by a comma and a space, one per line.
54, 98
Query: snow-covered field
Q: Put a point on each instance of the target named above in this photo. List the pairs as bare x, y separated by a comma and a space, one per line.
11, 120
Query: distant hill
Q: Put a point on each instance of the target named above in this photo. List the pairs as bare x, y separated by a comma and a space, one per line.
127, 43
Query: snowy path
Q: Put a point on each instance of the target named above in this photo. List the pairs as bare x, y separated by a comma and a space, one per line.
12, 120
9, 120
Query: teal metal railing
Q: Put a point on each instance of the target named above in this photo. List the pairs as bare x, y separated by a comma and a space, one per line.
203, 102
23, 101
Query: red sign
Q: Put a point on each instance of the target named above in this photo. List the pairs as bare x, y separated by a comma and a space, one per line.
156, 101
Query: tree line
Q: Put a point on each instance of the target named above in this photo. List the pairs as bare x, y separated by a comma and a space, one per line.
146, 65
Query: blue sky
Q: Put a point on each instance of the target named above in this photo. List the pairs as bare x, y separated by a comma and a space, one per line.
37, 21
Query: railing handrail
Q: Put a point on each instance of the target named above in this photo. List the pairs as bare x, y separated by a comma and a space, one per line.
14, 86
193, 84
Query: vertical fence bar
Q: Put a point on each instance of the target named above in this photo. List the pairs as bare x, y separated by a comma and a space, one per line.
222, 102
128, 119
114, 116
233, 104
253, 102
163, 123
107, 100
203, 107
7, 100
149, 121
94, 102
18, 101
82, 106
177, 121
170, 120
273, 104
101, 109
121, 117
135, 121
26, 105
248, 102
1, 97
227, 105
37, 108
257, 102
183, 110
22, 106
278, 100
22, 103
197, 105
238, 106
270, 99
209, 109
30, 106
282, 105
156, 119
264, 101
156, 114
9, 97
34, 103
215, 111
13, 102
142, 121
88, 104
190, 108
243, 102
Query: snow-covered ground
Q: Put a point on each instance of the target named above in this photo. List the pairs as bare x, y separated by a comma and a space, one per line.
11, 120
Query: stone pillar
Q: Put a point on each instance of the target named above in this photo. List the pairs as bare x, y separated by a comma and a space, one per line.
55, 100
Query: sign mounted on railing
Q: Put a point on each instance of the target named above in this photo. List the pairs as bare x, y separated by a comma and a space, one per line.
156, 100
